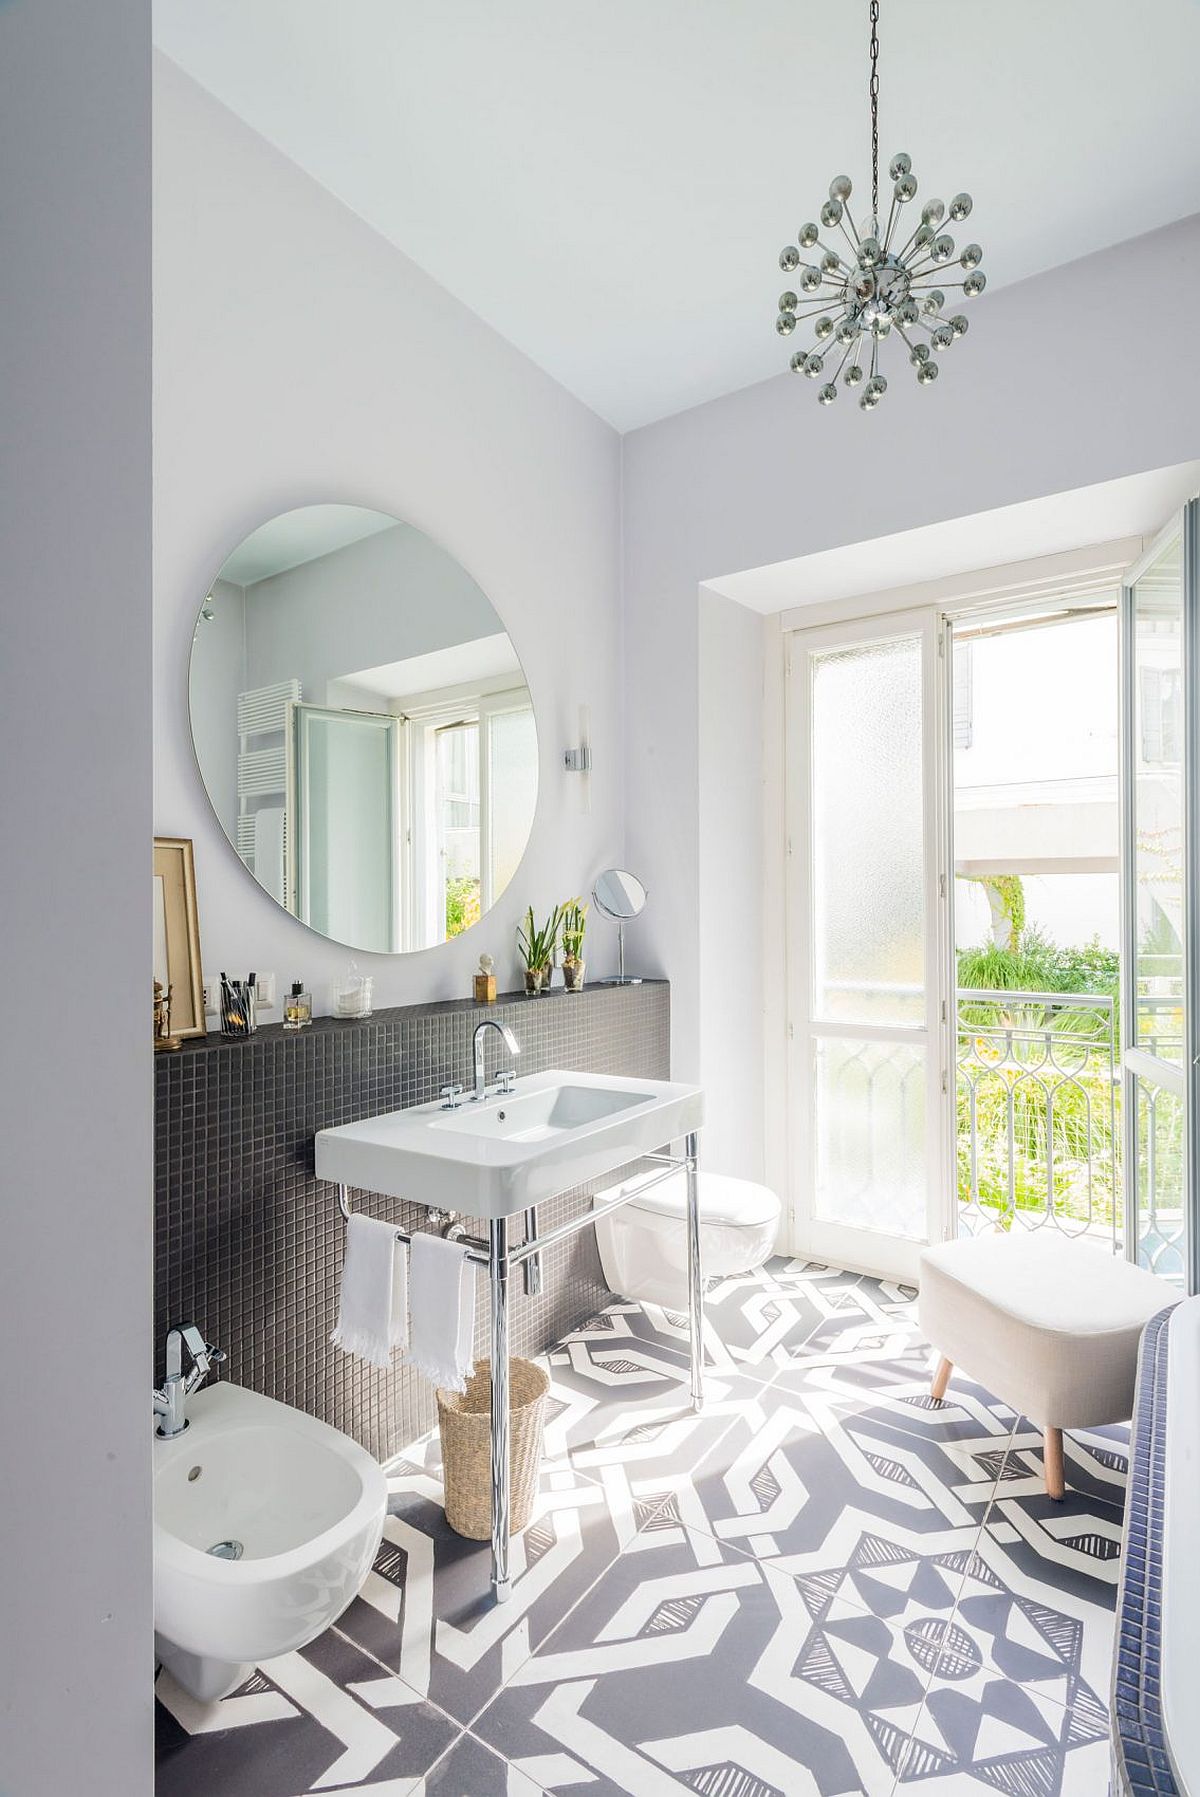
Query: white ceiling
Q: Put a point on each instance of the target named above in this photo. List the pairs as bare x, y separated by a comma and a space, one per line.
483, 658
300, 536
609, 185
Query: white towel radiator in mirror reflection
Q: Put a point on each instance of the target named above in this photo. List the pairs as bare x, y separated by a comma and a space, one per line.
262, 782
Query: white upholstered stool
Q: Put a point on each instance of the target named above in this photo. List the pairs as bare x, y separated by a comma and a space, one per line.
1051, 1326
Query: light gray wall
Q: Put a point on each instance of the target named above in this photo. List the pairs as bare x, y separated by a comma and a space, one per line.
218, 675
75, 819
352, 377
730, 677
765, 475
402, 596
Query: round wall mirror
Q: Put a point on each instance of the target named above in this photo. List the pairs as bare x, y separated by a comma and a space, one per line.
363, 728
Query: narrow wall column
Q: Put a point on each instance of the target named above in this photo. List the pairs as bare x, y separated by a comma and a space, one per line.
75, 841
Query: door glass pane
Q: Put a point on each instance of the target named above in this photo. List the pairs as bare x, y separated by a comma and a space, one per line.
870, 1114
458, 826
868, 834
1162, 1235
1158, 804
1159, 929
348, 830
512, 747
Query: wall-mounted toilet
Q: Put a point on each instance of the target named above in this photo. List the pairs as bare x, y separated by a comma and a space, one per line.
643, 1246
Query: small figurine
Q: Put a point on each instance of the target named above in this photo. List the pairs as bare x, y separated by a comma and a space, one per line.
485, 982
164, 1041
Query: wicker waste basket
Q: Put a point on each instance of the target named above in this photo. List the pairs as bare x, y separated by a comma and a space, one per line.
465, 1425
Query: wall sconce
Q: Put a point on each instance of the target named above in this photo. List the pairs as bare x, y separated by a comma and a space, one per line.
579, 760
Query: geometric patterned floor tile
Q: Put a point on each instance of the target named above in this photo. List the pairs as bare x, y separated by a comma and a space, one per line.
760, 1322
824, 1583
1074, 1544
813, 1452
470, 1769
325, 1717
426, 1610
709, 1676
615, 1417
1081, 1771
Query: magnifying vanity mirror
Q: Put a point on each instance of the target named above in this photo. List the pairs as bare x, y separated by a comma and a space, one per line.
363, 728
621, 896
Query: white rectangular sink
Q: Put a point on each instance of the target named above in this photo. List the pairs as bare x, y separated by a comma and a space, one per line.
553, 1131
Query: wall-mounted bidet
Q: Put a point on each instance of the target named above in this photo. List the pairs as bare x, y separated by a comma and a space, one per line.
266, 1524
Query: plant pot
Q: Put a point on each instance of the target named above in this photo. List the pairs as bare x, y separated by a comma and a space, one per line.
573, 969
536, 981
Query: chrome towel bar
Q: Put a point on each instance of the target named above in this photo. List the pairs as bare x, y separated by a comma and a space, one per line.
496, 1255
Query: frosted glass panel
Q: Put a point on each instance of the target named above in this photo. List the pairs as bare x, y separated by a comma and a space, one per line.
868, 844
458, 826
512, 744
348, 830
1158, 803
870, 1114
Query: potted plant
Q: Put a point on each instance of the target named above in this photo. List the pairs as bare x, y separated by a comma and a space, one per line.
574, 922
537, 946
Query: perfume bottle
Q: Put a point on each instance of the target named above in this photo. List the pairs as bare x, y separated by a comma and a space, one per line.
297, 1007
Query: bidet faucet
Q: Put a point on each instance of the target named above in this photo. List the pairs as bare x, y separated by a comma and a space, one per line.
504, 1080
170, 1403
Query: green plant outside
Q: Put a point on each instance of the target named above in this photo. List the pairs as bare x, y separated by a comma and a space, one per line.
462, 905
1082, 1186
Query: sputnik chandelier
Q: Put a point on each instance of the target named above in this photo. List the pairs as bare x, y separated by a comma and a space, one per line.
860, 294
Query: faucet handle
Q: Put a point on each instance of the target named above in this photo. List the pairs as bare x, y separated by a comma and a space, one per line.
505, 1081
204, 1354
451, 1097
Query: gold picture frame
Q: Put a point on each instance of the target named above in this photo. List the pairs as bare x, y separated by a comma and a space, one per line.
177, 934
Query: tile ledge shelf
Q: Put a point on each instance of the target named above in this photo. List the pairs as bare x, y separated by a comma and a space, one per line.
214, 1041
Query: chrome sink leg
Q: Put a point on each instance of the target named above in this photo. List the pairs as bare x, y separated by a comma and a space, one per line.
533, 1266
498, 1273
695, 1272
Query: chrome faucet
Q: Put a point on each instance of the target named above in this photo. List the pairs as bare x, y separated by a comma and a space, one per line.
170, 1403
504, 1081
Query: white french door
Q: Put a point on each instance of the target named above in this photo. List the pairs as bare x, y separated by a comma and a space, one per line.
870, 1074
1160, 791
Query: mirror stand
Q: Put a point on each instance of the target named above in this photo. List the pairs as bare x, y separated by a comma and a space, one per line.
620, 895
621, 978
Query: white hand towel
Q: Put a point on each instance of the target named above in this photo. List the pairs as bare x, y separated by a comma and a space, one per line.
443, 1312
373, 1313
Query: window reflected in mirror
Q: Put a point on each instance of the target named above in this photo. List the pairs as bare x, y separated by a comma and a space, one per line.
364, 728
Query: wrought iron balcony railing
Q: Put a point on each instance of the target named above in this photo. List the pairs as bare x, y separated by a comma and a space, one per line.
1037, 1098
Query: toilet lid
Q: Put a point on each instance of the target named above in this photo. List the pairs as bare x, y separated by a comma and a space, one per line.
723, 1199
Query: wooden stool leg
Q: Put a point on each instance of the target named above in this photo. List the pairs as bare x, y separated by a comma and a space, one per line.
941, 1379
1055, 1483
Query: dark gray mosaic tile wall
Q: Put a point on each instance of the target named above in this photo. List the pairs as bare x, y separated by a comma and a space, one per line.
248, 1243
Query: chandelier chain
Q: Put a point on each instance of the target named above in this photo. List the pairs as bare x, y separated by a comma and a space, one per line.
874, 92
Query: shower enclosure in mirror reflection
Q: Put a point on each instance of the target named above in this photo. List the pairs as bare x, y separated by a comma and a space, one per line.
363, 727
